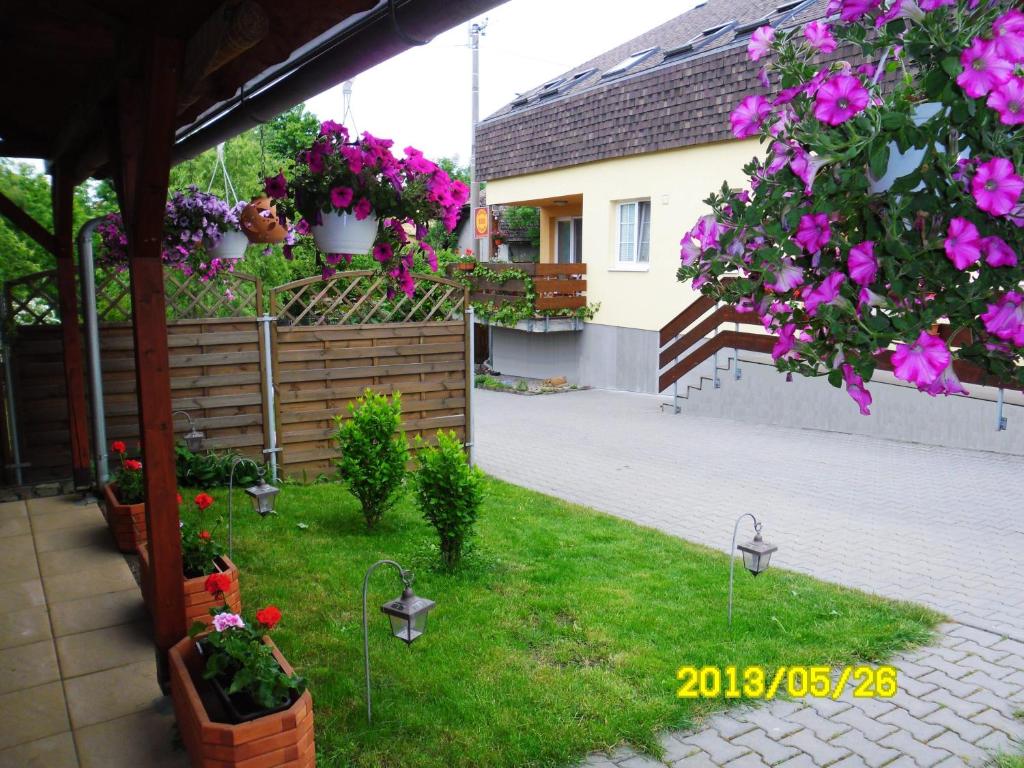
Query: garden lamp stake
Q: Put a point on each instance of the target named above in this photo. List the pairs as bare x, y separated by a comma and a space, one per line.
262, 495
193, 438
756, 554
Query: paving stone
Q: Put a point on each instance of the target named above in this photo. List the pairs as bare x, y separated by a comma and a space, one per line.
697, 760
853, 761
721, 751
966, 729
916, 707
822, 728
827, 707
994, 719
728, 726
965, 707
907, 723
998, 687
997, 742
935, 661
923, 754
1011, 646
952, 743
800, 761
870, 728
771, 750
775, 727
866, 749
981, 637
598, 760
674, 748
641, 761
981, 665
947, 683
994, 653
822, 752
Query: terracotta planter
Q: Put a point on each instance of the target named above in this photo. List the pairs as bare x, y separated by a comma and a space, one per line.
127, 521
280, 739
465, 266
259, 228
198, 601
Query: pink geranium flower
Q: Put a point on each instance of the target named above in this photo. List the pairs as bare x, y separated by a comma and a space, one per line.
826, 292
998, 253
996, 187
963, 243
341, 197
851, 10
1008, 100
862, 264
855, 389
984, 68
1005, 318
813, 232
746, 119
760, 42
839, 99
819, 36
921, 363
225, 621
1008, 35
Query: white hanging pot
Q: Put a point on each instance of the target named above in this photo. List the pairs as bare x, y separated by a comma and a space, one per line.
343, 233
904, 163
231, 246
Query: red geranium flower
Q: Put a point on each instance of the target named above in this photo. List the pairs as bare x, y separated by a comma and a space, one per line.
268, 616
133, 465
203, 501
180, 500
204, 535
217, 583
118, 447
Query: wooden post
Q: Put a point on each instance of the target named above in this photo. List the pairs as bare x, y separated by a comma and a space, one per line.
149, 155
63, 192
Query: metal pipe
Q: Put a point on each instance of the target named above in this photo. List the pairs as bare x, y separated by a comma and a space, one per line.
1000, 419
471, 382
231, 483
12, 414
87, 268
737, 373
405, 576
732, 555
268, 393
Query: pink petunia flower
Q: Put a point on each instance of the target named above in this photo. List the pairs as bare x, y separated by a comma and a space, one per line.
787, 277
341, 197
383, 252
862, 264
826, 292
934, 5
947, 383
996, 187
746, 119
760, 44
1008, 100
363, 209
852, 10
921, 363
819, 35
963, 243
813, 232
855, 389
839, 99
784, 346
275, 186
998, 253
984, 68
806, 167
1005, 318
1008, 36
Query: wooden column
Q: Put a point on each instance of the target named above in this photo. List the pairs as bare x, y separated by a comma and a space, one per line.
145, 167
63, 190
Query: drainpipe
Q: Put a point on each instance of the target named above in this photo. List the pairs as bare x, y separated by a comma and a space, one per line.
12, 416
268, 392
87, 268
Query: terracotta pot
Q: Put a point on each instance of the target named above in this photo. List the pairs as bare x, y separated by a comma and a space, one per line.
344, 233
127, 521
465, 266
259, 228
198, 601
283, 738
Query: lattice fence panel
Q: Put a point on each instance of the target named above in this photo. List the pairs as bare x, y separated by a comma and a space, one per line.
231, 294
32, 300
366, 298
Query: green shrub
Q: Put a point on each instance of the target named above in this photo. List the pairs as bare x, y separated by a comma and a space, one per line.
210, 469
449, 493
374, 452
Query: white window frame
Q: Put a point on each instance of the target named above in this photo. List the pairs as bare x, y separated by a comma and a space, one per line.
633, 264
571, 220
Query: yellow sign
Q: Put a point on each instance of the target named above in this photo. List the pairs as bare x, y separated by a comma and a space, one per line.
483, 222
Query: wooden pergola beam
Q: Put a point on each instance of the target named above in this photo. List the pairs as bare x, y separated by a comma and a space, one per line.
13, 213
145, 168
63, 194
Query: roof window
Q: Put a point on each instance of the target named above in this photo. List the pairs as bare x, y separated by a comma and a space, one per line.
630, 61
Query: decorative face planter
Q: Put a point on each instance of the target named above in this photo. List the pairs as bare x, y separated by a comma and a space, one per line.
198, 601
279, 738
127, 521
344, 233
260, 223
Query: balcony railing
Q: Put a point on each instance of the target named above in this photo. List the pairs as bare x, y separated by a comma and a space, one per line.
555, 287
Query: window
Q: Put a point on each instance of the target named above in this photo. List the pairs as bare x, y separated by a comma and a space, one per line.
629, 62
634, 240
569, 240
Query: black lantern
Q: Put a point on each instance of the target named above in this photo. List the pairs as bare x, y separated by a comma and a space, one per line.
756, 554
408, 615
262, 495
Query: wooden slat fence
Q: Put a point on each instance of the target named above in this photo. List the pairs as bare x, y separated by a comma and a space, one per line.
556, 286
336, 339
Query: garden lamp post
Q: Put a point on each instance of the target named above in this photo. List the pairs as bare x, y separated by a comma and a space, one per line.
757, 553
193, 438
262, 495
408, 614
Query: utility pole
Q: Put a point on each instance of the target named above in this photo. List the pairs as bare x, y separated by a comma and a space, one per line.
475, 31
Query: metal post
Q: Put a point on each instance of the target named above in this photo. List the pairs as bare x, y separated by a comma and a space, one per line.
714, 360
268, 393
12, 416
737, 372
732, 555
471, 385
92, 344
366, 625
1000, 419
231, 484
475, 30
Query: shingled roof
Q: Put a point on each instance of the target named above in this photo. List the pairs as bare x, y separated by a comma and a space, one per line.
680, 94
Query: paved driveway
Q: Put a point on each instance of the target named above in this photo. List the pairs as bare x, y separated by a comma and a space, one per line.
934, 525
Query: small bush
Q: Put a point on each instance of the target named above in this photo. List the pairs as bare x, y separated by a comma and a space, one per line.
373, 452
449, 493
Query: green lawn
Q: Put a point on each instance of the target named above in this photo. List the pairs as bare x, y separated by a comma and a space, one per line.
563, 634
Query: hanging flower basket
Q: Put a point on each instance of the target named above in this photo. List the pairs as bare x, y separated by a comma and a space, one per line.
230, 246
344, 233
260, 223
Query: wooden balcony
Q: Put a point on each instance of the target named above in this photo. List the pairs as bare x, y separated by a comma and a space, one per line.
556, 287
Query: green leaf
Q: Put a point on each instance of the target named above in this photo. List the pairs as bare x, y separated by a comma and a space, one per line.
879, 160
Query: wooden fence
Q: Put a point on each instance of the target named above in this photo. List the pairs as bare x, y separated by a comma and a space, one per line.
555, 286
331, 340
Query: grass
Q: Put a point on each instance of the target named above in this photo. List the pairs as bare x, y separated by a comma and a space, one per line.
562, 633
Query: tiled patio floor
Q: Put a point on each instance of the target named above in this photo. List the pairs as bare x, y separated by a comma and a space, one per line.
77, 668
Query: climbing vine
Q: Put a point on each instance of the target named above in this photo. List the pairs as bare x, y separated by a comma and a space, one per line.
512, 312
